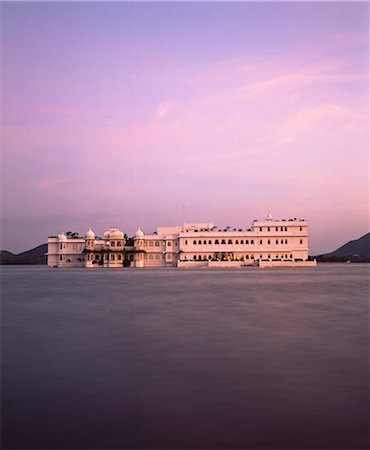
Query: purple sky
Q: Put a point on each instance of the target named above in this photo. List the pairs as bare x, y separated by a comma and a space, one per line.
127, 114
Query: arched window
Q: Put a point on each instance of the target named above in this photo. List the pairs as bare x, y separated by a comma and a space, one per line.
199, 257
217, 241
195, 242
186, 242
204, 242
252, 241
268, 241
246, 256
242, 242
237, 242
223, 242
261, 242
286, 241
229, 241
268, 228
260, 228
277, 241
209, 242
200, 242
119, 257
282, 241
301, 241
169, 244
194, 257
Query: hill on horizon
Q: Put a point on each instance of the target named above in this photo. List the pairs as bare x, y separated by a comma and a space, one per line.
357, 250
33, 256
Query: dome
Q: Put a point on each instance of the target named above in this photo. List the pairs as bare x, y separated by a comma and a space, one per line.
62, 237
139, 233
90, 234
113, 233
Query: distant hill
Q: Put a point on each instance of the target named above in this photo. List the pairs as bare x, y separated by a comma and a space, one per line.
355, 251
33, 256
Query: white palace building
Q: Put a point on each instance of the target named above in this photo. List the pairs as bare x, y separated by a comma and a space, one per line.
267, 243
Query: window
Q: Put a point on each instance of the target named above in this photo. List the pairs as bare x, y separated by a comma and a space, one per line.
112, 244
237, 242
252, 256
169, 244
300, 228
301, 241
282, 242
277, 241
268, 241
281, 229
60, 257
217, 241
286, 229
200, 242
242, 242
145, 244
119, 257
195, 242
112, 257
246, 256
186, 242
286, 241
61, 246
119, 244
268, 228
252, 241
223, 242
229, 241
150, 244
199, 257
194, 257
157, 244
261, 241
277, 228
260, 228
205, 242
209, 242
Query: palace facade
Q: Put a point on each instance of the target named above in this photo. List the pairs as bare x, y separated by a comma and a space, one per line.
268, 242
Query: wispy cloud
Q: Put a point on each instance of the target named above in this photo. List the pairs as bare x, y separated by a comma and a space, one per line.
163, 109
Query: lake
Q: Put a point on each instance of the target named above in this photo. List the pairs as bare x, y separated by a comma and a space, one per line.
185, 359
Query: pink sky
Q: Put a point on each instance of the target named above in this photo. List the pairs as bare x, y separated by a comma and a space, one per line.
127, 114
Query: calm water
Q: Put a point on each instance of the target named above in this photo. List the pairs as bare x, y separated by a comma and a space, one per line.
191, 359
